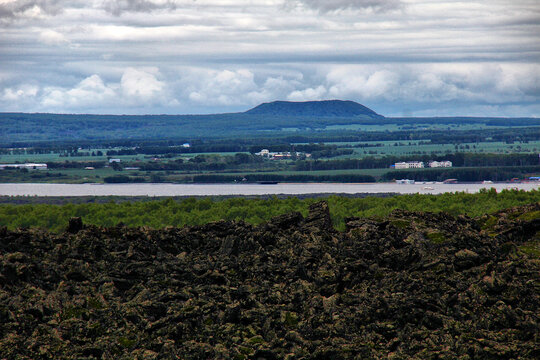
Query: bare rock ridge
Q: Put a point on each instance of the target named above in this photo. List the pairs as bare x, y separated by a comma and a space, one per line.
326, 108
410, 286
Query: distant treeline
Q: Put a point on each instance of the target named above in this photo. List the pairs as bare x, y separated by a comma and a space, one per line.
250, 178
345, 178
458, 160
274, 141
121, 179
201, 162
510, 135
217, 162
317, 150
49, 130
75, 164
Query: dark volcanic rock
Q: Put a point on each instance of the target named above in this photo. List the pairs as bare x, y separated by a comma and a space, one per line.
414, 285
75, 225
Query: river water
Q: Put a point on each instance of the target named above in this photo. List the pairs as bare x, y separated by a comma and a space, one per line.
246, 189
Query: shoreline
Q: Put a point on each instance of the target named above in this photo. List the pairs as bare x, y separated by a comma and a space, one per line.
156, 190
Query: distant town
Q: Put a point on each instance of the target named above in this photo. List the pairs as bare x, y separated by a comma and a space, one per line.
282, 155
27, 166
420, 164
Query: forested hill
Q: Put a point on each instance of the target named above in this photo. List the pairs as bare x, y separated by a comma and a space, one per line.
327, 108
298, 122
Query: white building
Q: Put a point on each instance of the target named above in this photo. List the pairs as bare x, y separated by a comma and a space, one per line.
281, 155
405, 181
29, 166
444, 163
114, 161
409, 165
263, 152
186, 145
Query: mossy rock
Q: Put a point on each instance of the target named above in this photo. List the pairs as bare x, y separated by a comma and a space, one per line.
94, 303
529, 216
289, 319
401, 224
72, 312
531, 248
488, 223
126, 342
437, 237
256, 340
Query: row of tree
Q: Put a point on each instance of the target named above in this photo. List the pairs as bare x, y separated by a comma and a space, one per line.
458, 160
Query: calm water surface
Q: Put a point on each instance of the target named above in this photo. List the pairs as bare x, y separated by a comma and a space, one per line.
244, 189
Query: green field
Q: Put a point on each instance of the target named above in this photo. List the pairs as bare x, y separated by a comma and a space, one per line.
403, 148
417, 126
416, 147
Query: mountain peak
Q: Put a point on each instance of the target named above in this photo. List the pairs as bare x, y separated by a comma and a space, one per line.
325, 108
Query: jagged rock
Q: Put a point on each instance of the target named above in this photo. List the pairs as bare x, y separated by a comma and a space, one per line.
465, 259
319, 216
413, 285
286, 221
75, 225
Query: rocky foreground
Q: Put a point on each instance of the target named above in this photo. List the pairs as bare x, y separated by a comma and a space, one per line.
413, 285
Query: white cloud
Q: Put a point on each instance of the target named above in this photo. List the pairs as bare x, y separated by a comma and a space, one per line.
363, 82
390, 89
223, 87
137, 88
20, 93
51, 37
308, 94
236, 89
91, 92
141, 83
435, 83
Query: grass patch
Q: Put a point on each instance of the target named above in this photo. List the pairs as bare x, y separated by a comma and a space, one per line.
490, 222
126, 342
533, 215
401, 224
256, 340
290, 319
72, 312
437, 237
532, 248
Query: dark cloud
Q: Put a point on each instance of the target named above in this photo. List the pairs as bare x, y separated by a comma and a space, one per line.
331, 5
117, 7
12, 9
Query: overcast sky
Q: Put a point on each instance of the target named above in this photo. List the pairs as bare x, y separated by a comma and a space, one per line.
398, 57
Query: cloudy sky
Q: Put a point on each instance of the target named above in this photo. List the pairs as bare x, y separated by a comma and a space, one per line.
398, 57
